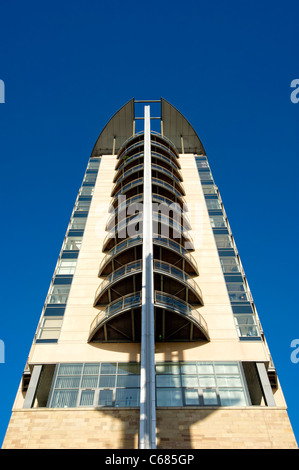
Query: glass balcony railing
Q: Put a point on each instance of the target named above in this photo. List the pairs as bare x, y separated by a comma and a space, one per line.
158, 155
122, 228
165, 171
128, 186
130, 268
168, 186
154, 133
239, 297
161, 299
155, 167
157, 181
174, 246
173, 271
125, 149
126, 161
126, 174
119, 248
124, 303
157, 240
177, 305
159, 266
173, 206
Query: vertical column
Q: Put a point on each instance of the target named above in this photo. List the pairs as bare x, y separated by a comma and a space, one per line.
31, 392
147, 439
265, 383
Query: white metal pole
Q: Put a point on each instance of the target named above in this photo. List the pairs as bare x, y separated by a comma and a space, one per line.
147, 439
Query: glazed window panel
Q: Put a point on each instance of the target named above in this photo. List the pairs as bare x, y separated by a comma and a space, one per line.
217, 221
223, 241
66, 266
230, 265
78, 223
73, 243
196, 383
50, 328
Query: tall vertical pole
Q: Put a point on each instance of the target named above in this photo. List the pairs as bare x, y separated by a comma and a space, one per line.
147, 438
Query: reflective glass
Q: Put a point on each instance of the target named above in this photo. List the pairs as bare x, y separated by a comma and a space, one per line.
191, 397
87, 397
127, 397
169, 397
106, 398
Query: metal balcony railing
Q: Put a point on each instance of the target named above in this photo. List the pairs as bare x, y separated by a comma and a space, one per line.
114, 308
177, 305
161, 299
161, 241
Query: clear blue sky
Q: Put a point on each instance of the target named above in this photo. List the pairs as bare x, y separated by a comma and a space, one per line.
227, 66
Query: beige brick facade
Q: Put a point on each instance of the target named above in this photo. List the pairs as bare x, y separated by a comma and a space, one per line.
225, 428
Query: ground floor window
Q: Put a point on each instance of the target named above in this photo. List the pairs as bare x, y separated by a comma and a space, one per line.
177, 384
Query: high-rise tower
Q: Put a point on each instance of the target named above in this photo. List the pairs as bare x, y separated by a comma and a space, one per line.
149, 335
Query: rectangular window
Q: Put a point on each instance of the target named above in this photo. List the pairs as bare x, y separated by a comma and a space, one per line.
105, 398
73, 243
217, 221
177, 384
87, 397
82, 206
209, 189
230, 264
64, 398
78, 223
59, 294
213, 204
232, 397
93, 164
246, 325
169, 397
98, 384
202, 164
86, 191
205, 176
127, 397
90, 178
49, 328
66, 266
237, 292
223, 241
200, 383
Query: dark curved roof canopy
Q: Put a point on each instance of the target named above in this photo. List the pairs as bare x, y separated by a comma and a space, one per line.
121, 127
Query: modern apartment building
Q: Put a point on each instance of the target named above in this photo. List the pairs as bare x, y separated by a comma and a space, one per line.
149, 336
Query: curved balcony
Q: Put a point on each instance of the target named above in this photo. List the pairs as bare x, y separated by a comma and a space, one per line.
156, 137
168, 187
158, 186
176, 332
173, 281
170, 174
127, 187
113, 324
174, 273
162, 172
125, 175
155, 155
163, 225
125, 149
178, 251
176, 320
175, 206
116, 275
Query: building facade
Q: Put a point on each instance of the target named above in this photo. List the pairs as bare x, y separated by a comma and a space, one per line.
149, 336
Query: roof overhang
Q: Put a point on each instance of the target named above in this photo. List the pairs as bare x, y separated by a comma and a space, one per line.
179, 131
121, 127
